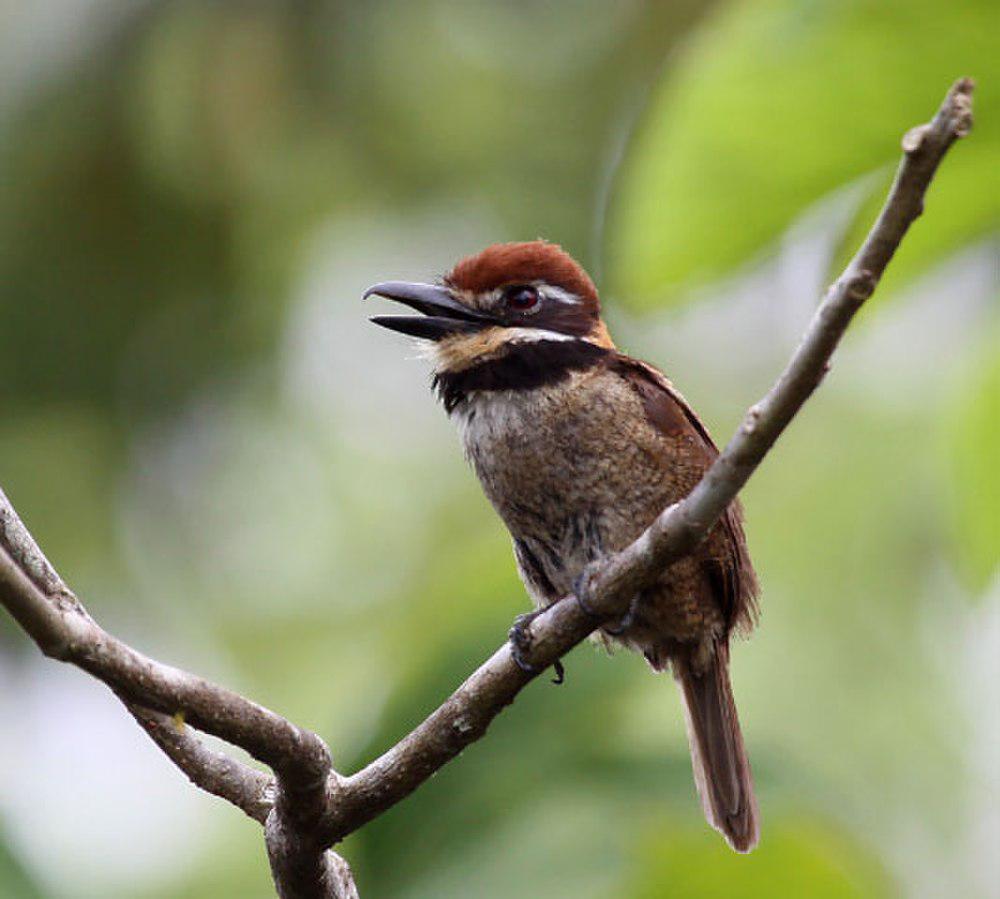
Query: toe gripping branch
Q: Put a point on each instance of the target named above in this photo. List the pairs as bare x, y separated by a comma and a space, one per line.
579, 592
520, 645
520, 631
613, 630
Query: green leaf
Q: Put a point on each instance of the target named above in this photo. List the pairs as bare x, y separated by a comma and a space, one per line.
774, 105
974, 451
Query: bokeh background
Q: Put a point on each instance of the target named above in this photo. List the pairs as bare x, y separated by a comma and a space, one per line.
242, 477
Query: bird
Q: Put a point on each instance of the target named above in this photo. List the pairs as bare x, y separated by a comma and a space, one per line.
579, 447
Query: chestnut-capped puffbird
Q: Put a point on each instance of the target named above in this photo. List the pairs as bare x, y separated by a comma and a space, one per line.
579, 447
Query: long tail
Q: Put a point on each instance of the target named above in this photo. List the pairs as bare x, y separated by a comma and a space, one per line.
721, 768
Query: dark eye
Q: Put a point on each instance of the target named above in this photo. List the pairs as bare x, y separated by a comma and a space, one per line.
522, 298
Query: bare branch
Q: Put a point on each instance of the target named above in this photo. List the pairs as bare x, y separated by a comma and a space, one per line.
214, 772
57, 621
301, 868
608, 585
309, 806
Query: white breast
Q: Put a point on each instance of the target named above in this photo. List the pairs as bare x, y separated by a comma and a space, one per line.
486, 418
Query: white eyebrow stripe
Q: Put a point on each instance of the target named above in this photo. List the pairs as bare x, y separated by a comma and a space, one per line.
559, 294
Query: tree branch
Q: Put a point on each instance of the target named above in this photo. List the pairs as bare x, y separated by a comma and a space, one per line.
60, 625
607, 586
248, 789
56, 620
301, 865
308, 806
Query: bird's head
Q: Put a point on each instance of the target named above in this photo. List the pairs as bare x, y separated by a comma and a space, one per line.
489, 304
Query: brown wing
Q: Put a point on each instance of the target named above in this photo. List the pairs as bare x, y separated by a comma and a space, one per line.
727, 561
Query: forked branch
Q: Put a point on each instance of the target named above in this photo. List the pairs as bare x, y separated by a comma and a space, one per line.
308, 807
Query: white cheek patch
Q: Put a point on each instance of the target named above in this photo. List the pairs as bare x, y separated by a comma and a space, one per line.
535, 335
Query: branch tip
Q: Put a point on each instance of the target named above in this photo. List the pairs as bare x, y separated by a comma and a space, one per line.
959, 105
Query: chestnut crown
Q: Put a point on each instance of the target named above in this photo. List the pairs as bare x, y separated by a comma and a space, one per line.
530, 263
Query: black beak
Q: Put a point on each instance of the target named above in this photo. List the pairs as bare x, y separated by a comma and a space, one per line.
443, 315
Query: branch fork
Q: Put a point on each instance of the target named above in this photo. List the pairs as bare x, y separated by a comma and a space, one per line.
305, 806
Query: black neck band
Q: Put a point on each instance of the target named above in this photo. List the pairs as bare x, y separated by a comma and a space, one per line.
525, 366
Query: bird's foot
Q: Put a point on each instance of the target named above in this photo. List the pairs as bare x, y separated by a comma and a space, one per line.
626, 621
613, 630
520, 645
579, 591
519, 636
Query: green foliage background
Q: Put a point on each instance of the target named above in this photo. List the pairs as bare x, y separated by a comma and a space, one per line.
243, 478
776, 104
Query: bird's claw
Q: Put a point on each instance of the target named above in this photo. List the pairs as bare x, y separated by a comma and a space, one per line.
519, 636
520, 644
578, 593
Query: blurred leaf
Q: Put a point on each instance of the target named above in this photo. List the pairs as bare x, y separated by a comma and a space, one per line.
974, 448
778, 103
795, 858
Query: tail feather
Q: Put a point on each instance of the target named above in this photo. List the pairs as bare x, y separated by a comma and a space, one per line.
721, 769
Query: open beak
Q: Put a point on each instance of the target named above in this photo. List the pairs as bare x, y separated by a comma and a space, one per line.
443, 315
